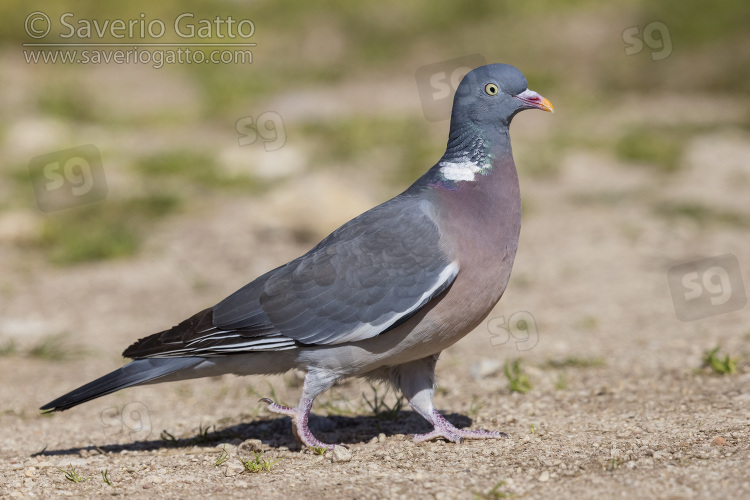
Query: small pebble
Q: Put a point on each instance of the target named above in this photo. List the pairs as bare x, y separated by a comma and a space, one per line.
485, 368
719, 441
341, 454
233, 469
544, 477
250, 445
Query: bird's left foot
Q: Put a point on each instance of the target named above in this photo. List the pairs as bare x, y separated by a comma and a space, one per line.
445, 429
300, 416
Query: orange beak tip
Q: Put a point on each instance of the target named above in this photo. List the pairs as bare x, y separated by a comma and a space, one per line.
547, 106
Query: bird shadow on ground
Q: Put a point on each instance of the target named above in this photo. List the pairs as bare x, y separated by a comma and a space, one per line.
277, 432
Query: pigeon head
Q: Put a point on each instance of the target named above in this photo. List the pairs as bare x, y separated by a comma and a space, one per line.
491, 95
486, 101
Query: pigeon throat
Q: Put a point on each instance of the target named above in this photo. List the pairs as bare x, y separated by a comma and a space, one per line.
462, 169
468, 155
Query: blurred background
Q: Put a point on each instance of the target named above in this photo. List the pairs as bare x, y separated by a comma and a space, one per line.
205, 175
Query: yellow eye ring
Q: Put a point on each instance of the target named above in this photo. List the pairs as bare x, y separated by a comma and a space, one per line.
490, 89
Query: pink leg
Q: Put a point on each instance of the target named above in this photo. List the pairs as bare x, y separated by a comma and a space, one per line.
416, 380
300, 417
316, 381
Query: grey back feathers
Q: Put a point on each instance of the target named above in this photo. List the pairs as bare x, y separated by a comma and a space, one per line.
368, 276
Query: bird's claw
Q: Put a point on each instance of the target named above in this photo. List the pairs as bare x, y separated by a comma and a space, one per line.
444, 429
429, 436
456, 435
277, 408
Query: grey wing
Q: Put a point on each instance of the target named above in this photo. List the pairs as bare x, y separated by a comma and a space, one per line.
371, 274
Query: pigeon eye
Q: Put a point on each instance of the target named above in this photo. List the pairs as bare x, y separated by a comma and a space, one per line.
490, 88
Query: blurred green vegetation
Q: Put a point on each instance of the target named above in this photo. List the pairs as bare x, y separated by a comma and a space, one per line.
64, 102
57, 347
391, 34
701, 214
571, 51
102, 230
354, 140
184, 166
657, 146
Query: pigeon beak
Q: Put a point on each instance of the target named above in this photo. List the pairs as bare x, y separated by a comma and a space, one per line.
535, 100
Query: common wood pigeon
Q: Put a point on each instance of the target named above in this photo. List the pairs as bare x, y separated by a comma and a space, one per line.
382, 295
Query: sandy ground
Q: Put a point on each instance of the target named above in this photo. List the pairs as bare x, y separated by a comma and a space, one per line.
619, 405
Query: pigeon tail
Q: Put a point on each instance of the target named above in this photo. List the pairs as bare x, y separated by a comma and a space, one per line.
136, 372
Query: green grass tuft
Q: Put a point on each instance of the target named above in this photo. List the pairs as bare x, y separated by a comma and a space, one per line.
168, 439
319, 450
223, 457
203, 434
105, 478
72, 475
256, 464
380, 408
719, 365
518, 381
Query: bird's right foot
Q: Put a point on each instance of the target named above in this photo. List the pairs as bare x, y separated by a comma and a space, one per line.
446, 430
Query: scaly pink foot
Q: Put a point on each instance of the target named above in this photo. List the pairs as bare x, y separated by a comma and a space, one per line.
300, 416
446, 430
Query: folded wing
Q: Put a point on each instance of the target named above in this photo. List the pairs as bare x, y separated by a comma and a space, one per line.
368, 276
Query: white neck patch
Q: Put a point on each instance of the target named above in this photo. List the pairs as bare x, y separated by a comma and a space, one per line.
463, 169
